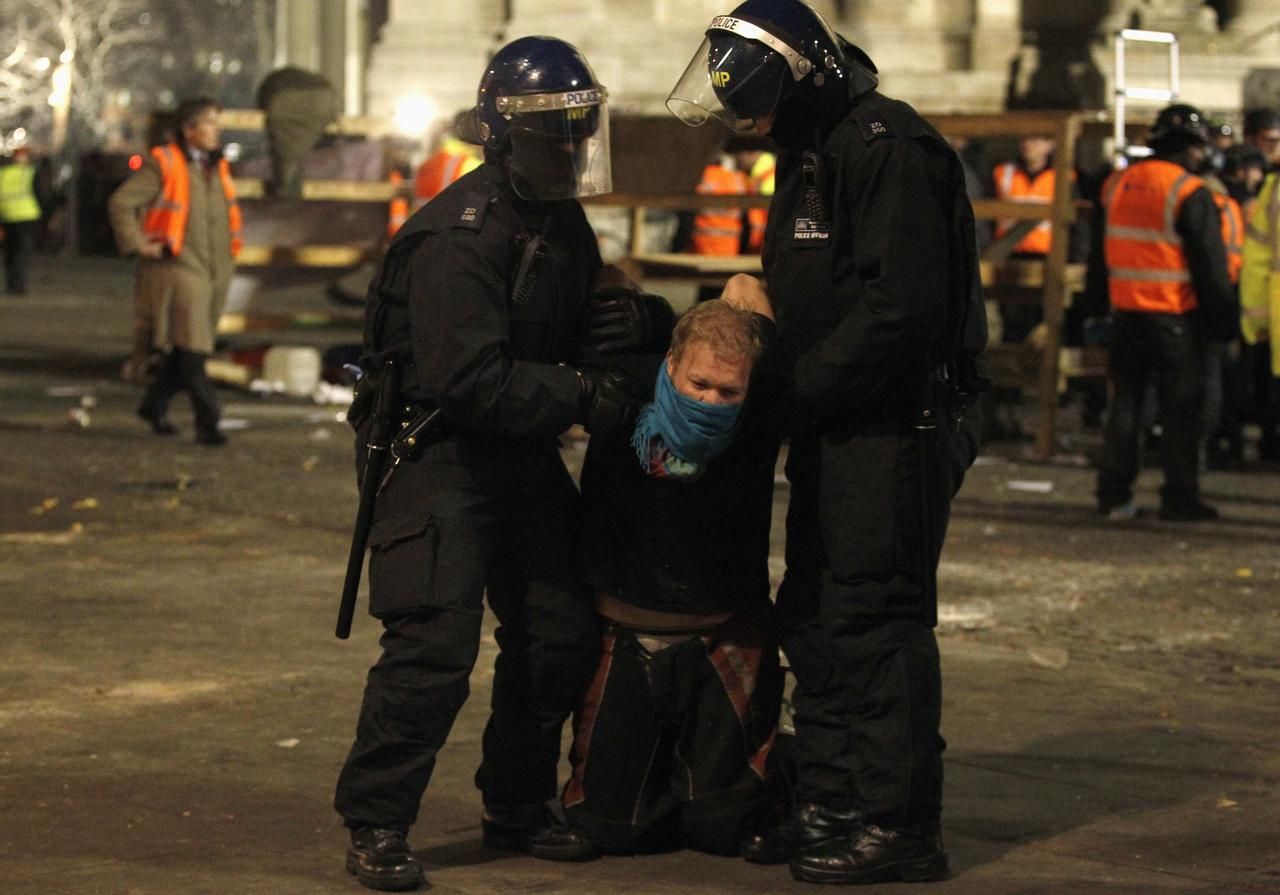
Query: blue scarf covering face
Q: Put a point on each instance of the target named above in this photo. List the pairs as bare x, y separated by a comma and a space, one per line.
676, 435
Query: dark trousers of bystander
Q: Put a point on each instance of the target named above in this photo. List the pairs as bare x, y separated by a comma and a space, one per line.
1169, 350
19, 245
182, 370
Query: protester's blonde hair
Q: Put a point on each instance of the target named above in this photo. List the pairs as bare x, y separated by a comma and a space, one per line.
731, 333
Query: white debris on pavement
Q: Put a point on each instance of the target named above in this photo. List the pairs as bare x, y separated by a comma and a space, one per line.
966, 616
1030, 486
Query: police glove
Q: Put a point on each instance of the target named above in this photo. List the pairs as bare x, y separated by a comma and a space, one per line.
604, 405
621, 320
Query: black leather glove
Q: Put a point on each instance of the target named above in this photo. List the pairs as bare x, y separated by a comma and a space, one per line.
621, 320
604, 405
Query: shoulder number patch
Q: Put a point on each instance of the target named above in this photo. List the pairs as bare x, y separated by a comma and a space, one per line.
471, 211
873, 128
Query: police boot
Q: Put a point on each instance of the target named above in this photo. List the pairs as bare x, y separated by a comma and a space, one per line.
874, 855
380, 859
808, 826
535, 830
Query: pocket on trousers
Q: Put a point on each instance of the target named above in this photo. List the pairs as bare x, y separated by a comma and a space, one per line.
402, 564
858, 506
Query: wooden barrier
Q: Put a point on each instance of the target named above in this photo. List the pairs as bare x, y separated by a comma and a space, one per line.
1041, 364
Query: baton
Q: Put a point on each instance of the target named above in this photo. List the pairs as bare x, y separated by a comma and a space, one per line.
380, 428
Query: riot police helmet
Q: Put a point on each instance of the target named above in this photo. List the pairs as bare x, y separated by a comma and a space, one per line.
1177, 127
543, 117
765, 53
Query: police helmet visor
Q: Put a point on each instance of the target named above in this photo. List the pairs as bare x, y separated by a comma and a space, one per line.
737, 75
559, 144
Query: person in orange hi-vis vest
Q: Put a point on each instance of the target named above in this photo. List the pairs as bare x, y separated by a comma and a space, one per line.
718, 231
398, 207
1159, 258
751, 157
1029, 178
451, 158
1224, 442
178, 214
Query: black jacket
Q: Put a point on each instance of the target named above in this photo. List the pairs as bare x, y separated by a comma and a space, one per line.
871, 263
493, 361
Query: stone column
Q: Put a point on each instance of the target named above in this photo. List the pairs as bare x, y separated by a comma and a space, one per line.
997, 34
437, 50
1256, 25
899, 35
637, 48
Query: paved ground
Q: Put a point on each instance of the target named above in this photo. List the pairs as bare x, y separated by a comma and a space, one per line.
174, 706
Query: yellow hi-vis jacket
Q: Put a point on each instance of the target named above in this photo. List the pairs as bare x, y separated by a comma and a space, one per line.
1260, 278
17, 193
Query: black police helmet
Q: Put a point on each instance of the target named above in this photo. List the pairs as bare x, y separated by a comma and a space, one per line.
1177, 127
529, 66
797, 56
1236, 159
1261, 119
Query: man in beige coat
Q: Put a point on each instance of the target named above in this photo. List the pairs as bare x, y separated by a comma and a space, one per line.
179, 216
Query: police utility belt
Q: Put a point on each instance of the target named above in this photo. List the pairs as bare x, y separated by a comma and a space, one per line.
418, 426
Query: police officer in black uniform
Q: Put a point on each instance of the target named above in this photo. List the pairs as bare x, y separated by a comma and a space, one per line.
869, 260
477, 312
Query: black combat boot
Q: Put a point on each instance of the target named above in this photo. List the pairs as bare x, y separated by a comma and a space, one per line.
808, 826
874, 855
381, 859
535, 830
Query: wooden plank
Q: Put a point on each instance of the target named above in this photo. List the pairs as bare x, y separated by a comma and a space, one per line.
1055, 285
676, 264
221, 370
328, 190
1027, 273
1006, 124
233, 324
996, 209
1018, 365
345, 125
678, 201
330, 256
1083, 361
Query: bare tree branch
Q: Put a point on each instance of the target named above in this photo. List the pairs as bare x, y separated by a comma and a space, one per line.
97, 36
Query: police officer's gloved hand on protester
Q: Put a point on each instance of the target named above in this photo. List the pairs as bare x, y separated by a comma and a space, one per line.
621, 320
605, 406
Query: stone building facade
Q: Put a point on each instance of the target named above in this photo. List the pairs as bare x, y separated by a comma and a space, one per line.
940, 55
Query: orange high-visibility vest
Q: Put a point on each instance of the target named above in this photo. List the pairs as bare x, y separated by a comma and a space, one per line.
451, 161
1013, 184
1146, 265
398, 210
718, 231
760, 181
1232, 233
166, 219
